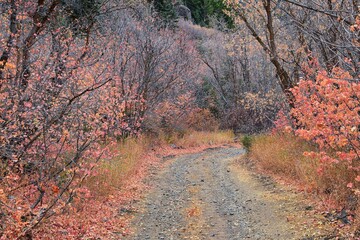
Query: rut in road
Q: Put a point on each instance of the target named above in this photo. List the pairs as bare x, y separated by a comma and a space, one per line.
204, 196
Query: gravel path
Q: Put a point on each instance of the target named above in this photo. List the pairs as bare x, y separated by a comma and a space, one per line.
206, 196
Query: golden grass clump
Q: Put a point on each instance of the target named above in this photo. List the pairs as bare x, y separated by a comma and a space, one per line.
133, 152
283, 156
196, 139
112, 173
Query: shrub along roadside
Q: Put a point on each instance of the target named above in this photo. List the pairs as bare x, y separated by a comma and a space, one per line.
246, 141
282, 155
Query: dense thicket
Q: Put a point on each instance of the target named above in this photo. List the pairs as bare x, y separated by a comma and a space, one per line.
274, 46
78, 75
70, 88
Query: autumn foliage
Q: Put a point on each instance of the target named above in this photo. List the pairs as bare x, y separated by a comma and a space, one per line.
77, 77
327, 113
71, 87
316, 144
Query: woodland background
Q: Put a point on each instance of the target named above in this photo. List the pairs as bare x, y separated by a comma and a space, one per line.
78, 77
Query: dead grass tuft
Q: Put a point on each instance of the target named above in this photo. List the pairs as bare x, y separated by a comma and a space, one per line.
196, 139
133, 153
112, 174
282, 156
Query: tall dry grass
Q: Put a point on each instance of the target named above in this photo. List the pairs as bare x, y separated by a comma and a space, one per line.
196, 139
133, 153
112, 174
282, 155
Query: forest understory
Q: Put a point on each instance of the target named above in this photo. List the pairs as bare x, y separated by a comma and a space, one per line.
97, 95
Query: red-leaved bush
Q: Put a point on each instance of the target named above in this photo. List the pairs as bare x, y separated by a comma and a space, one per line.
69, 88
327, 112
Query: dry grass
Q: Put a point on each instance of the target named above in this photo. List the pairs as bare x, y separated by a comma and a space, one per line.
282, 155
133, 154
111, 174
196, 139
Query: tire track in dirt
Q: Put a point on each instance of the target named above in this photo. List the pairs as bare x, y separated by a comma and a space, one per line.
206, 196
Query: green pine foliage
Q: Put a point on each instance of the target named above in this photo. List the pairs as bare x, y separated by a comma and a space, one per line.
166, 12
203, 10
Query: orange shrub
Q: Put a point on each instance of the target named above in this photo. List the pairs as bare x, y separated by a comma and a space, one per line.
327, 113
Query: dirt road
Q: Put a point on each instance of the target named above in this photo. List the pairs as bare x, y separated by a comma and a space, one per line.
207, 196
